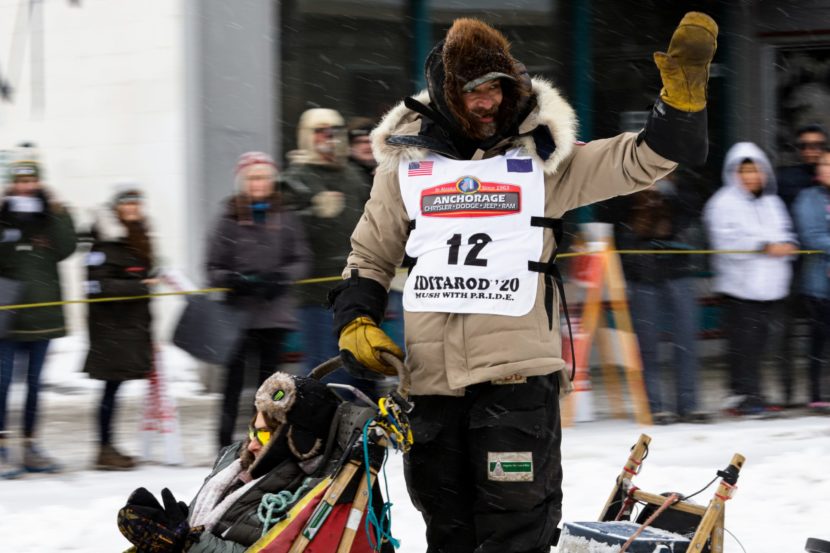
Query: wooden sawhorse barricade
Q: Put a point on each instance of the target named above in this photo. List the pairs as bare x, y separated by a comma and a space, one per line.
600, 275
666, 522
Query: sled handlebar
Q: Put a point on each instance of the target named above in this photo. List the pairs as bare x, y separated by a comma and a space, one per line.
327, 367
404, 381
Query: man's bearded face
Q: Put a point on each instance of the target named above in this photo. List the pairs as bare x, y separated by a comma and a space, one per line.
482, 105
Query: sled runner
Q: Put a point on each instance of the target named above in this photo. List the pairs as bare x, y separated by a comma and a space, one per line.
667, 523
344, 512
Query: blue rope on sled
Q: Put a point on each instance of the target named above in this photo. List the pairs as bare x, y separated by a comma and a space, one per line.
274, 506
382, 525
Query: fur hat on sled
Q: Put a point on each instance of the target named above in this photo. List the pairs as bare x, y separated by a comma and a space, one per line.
299, 410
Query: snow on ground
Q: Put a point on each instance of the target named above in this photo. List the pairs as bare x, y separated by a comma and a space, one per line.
783, 496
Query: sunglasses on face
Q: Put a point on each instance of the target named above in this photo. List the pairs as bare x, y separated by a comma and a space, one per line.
328, 132
262, 435
811, 145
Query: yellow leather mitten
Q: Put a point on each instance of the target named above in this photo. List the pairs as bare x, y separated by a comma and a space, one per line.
684, 69
364, 341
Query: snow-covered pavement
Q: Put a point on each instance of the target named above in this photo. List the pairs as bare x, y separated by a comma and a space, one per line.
783, 496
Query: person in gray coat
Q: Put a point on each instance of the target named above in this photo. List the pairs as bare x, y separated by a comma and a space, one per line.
257, 249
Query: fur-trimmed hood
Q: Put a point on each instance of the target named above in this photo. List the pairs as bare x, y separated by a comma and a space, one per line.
108, 228
310, 120
552, 113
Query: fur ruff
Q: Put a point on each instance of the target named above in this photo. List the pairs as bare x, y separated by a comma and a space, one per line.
301, 455
276, 411
551, 111
108, 226
210, 505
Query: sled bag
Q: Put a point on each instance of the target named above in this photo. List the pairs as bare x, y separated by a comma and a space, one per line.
588, 537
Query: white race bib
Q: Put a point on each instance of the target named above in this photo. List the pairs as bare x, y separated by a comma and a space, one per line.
472, 235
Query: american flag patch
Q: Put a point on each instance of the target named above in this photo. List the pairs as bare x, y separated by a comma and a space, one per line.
419, 168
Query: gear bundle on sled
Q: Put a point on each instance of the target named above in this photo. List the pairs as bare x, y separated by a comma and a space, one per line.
344, 511
667, 523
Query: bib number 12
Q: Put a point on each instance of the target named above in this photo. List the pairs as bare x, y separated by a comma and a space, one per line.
477, 241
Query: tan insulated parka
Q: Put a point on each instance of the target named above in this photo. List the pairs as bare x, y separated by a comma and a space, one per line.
448, 351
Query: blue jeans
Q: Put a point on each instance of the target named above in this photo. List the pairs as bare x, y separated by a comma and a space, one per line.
37, 356
317, 330
657, 308
819, 309
393, 324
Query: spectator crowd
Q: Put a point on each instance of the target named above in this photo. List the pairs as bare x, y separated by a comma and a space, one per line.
279, 227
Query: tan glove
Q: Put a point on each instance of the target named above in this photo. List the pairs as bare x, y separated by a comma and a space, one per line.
328, 204
685, 68
362, 341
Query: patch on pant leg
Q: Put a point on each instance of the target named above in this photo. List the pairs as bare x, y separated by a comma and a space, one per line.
510, 466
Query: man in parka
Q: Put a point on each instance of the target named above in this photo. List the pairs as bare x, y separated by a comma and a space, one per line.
329, 194
473, 175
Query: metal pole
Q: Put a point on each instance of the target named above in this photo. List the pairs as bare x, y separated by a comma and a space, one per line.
421, 28
583, 84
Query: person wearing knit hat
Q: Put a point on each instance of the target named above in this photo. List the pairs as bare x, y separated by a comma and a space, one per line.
26, 168
36, 233
474, 175
301, 410
120, 262
286, 449
329, 194
257, 249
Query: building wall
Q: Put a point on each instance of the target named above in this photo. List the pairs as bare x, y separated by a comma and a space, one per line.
164, 93
233, 69
111, 107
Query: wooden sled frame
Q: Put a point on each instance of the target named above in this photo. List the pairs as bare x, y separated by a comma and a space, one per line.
343, 478
712, 517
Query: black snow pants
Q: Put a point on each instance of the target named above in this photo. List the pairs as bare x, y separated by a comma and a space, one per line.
485, 470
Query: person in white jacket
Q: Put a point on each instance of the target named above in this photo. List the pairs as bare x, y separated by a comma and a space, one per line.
747, 215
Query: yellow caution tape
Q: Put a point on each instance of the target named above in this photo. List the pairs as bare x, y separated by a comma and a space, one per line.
339, 278
680, 252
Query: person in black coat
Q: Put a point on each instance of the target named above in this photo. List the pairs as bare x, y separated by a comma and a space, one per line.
257, 249
811, 141
119, 264
662, 291
298, 436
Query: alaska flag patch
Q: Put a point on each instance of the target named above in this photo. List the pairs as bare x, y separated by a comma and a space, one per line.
520, 165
